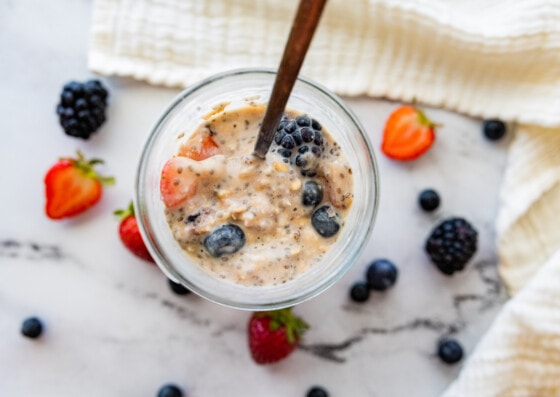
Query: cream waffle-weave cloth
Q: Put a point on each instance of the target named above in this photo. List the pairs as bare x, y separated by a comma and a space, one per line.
483, 58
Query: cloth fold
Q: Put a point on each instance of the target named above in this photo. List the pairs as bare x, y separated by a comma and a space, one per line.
528, 233
485, 59
520, 353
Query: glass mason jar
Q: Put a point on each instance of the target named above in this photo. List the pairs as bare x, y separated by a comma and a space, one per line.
185, 114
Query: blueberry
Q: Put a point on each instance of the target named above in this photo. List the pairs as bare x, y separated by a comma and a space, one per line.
450, 351
307, 134
381, 274
225, 240
284, 152
303, 121
303, 149
429, 200
177, 288
170, 391
325, 222
359, 292
316, 151
288, 142
494, 129
312, 193
317, 391
32, 327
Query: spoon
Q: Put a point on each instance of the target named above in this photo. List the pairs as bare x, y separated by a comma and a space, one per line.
303, 28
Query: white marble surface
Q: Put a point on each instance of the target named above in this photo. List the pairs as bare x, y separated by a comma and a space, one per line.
113, 328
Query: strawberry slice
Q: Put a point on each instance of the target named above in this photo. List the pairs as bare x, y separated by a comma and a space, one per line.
72, 186
408, 134
177, 184
199, 146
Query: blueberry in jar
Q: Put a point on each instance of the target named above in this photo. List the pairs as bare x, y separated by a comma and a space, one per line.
381, 274
312, 194
325, 221
225, 240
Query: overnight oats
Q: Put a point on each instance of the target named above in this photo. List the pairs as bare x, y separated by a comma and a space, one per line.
251, 221
253, 233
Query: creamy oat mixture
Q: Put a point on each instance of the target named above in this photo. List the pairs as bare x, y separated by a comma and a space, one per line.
251, 221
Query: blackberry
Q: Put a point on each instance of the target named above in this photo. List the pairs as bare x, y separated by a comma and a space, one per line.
81, 110
450, 351
429, 200
32, 327
177, 288
301, 136
452, 244
284, 153
359, 292
317, 391
493, 129
170, 391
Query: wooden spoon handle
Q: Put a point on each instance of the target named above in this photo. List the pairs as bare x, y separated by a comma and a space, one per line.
303, 28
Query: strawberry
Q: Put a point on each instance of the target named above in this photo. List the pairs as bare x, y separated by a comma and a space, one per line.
177, 184
273, 335
408, 134
130, 234
72, 186
199, 146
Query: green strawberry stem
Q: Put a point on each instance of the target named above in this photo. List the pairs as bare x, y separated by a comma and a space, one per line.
294, 325
123, 213
425, 120
86, 167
